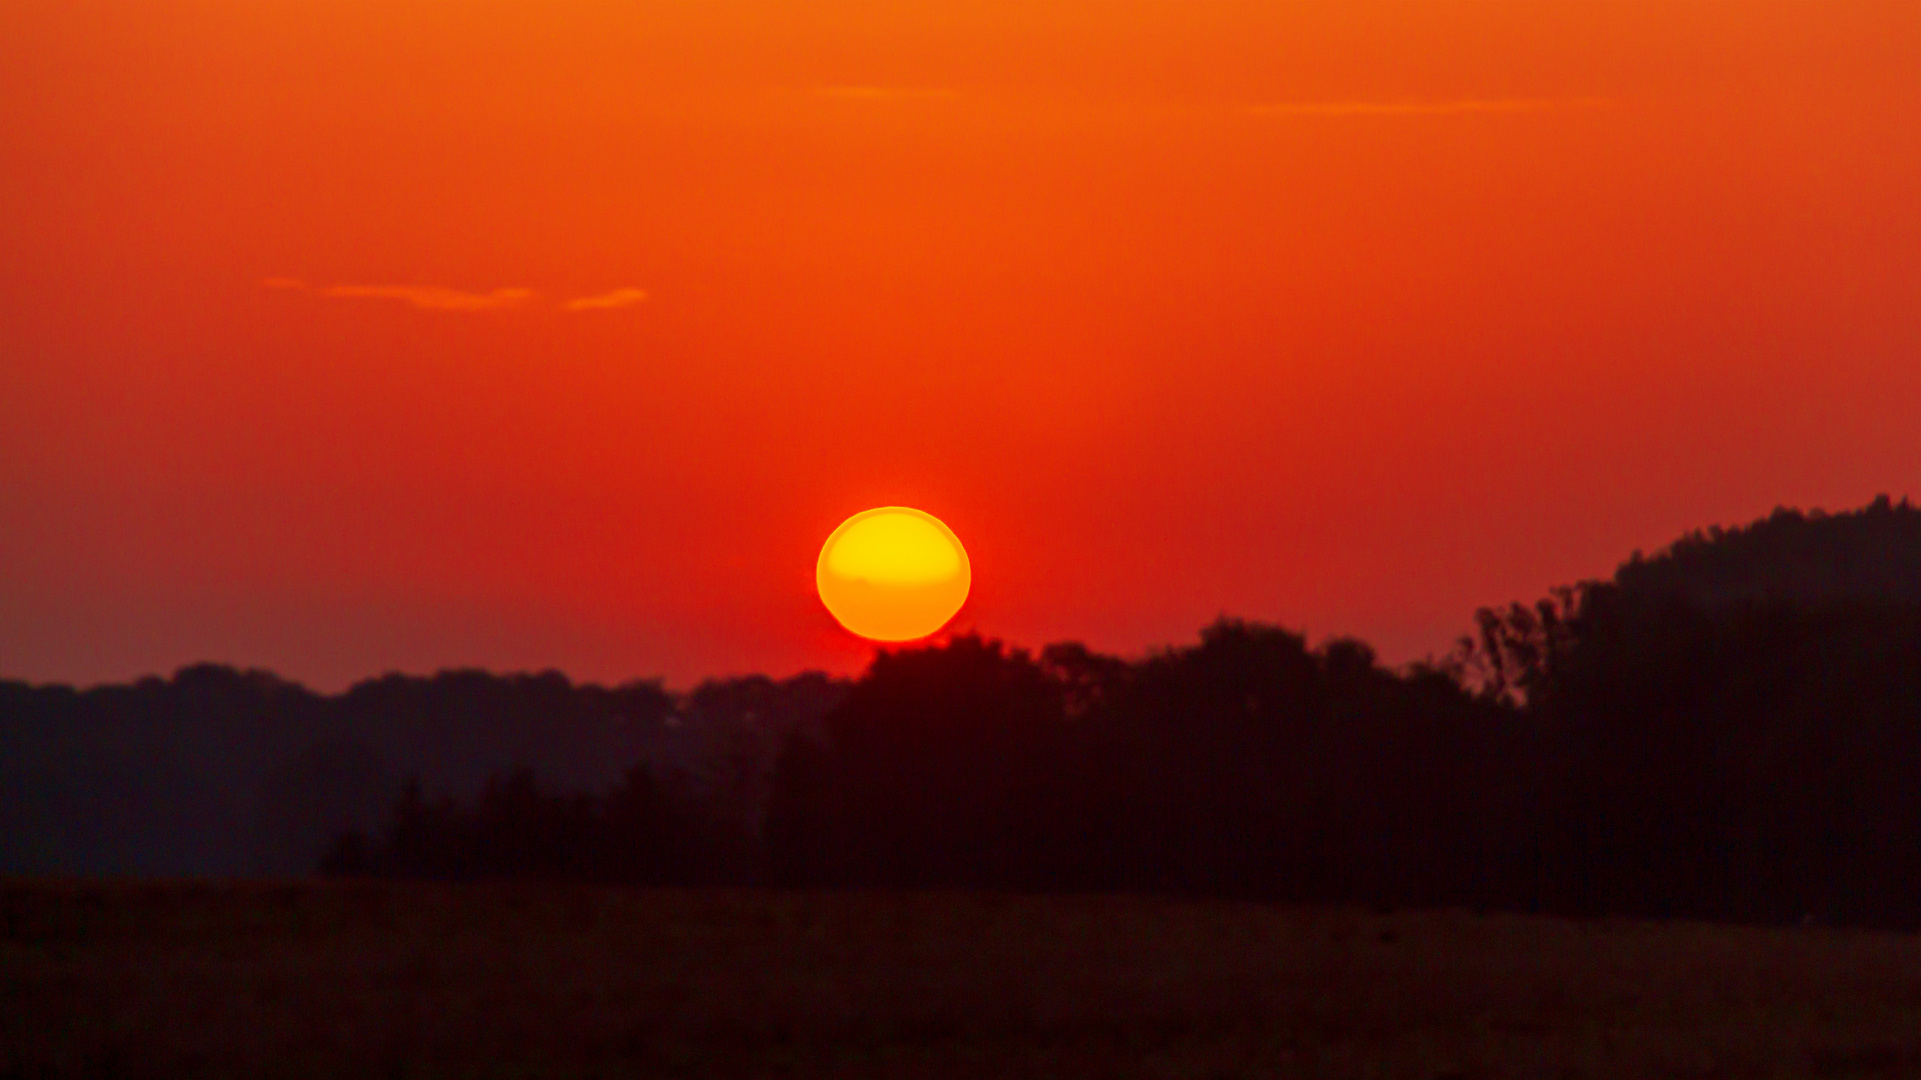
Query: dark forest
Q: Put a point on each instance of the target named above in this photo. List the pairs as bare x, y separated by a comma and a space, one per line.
1729, 728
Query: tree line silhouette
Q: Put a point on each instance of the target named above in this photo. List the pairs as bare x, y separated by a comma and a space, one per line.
1728, 729
216, 771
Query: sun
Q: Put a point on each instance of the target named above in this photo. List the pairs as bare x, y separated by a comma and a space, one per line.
893, 573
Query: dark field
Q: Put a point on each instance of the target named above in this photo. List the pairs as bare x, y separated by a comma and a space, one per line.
402, 980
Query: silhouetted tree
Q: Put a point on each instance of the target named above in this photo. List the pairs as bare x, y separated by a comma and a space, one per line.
1250, 764
637, 833
935, 772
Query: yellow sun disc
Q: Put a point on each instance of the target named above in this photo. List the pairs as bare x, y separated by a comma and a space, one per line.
893, 574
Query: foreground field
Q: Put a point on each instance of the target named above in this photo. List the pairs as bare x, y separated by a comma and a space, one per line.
519, 981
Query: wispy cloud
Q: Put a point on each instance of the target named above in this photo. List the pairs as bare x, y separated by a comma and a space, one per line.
442, 298
618, 298
432, 297
1421, 108
886, 93
425, 297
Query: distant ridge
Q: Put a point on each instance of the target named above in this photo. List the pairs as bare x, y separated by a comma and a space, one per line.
1870, 555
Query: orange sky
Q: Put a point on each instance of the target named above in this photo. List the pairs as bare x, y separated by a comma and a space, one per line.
1348, 317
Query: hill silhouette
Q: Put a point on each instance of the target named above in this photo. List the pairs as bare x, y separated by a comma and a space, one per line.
1789, 561
1869, 555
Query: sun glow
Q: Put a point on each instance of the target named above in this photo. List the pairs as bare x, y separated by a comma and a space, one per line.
893, 574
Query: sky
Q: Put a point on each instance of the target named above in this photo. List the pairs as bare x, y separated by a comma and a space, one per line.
346, 337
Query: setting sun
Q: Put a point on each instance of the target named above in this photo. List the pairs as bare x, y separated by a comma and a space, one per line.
893, 574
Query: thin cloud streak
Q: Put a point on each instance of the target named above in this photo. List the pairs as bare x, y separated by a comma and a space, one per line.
1421, 108
425, 297
619, 298
431, 297
442, 298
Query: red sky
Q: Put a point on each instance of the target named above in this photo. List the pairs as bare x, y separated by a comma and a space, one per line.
1343, 316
